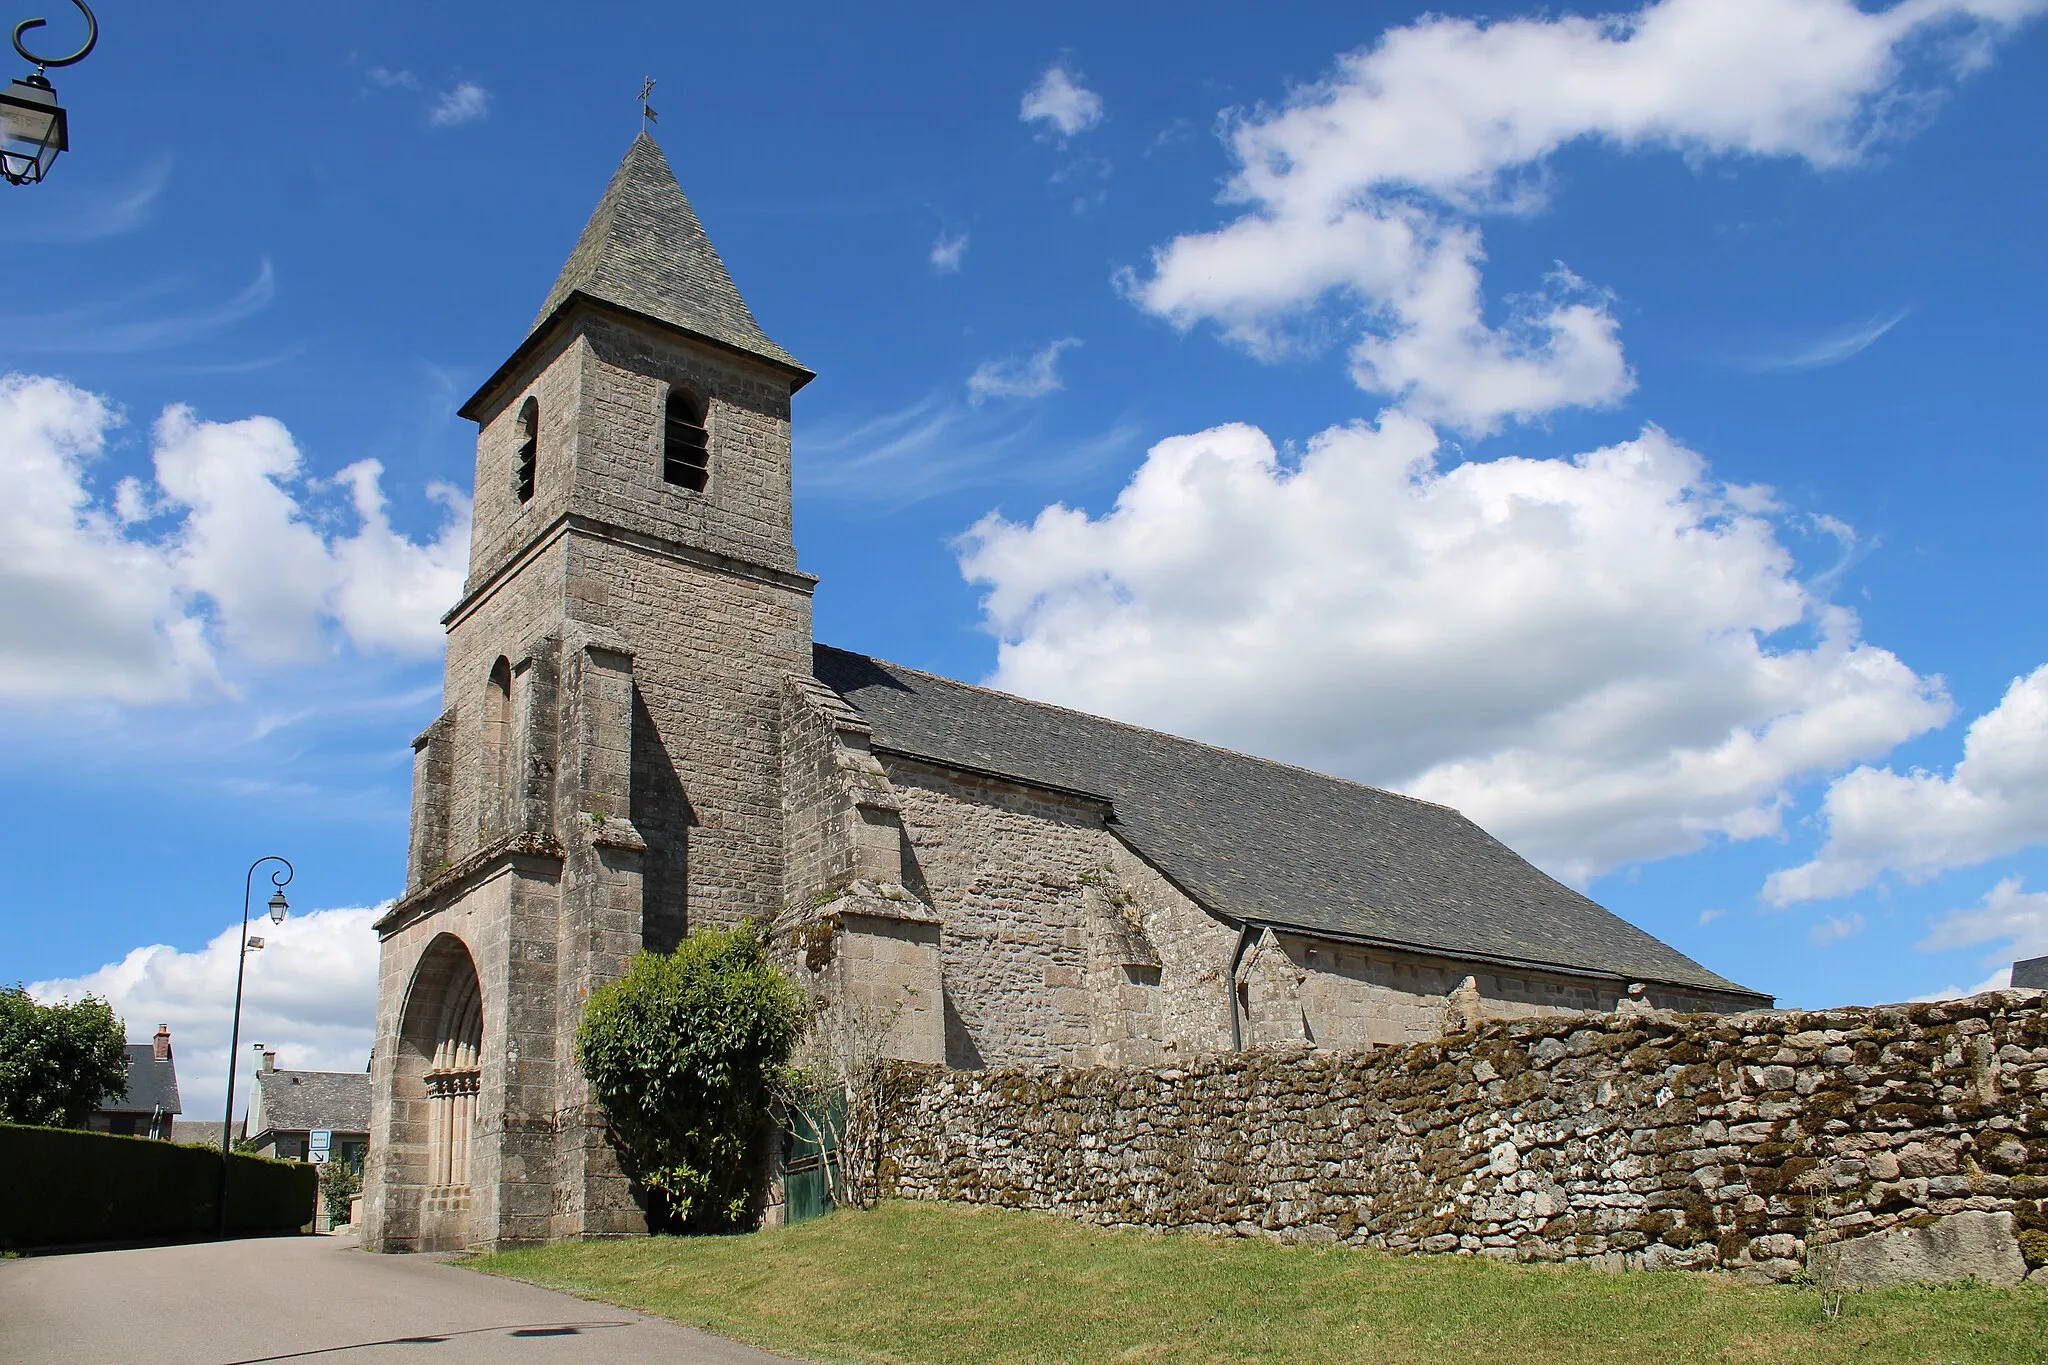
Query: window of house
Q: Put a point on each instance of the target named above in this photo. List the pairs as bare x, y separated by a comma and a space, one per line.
686, 447
529, 449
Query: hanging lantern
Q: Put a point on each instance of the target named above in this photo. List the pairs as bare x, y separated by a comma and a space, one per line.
33, 127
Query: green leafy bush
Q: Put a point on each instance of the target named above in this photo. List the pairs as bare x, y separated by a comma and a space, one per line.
682, 1052
339, 1183
65, 1187
58, 1062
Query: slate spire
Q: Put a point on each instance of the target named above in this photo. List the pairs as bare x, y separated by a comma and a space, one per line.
644, 250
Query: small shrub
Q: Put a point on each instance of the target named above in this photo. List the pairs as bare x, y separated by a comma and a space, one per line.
339, 1183
681, 1052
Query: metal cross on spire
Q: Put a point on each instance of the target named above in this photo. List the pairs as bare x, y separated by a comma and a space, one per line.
647, 114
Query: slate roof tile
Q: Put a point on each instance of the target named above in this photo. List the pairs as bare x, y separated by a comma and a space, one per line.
1266, 842
294, 1100
150, 1083
645, 250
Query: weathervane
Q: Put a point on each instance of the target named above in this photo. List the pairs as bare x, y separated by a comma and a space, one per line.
647, 114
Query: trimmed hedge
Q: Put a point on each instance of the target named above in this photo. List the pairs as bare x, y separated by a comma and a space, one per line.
61, 1186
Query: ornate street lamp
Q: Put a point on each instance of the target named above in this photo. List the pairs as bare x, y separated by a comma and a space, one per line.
278, 906
32, 124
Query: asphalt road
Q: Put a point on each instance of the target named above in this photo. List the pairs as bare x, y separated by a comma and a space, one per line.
315, 1299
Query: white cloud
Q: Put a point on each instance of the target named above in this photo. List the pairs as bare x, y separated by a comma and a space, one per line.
386, 79
2014, 918
1708, 916
389, 592
1834, 929
466, 103
1920, 823
1062, 102
949, 252
1359, 190
1997, 981
310, 994
98, 599
1602, 659
1032, 376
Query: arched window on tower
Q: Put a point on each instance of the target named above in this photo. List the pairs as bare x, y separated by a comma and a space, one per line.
497, 745
529, 450
686, 448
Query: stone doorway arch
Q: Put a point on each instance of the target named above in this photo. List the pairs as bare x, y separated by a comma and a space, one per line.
440, 1070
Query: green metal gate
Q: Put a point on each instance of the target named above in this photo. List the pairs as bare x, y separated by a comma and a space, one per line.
810, 1161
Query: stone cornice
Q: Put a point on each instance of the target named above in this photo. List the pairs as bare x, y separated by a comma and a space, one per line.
576, 523
466, 873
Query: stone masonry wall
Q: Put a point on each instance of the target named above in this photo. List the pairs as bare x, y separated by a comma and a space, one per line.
1005, 866
1632, 1139
710, 652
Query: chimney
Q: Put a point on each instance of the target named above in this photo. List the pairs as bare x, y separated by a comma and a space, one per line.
270, 1059
163, 1042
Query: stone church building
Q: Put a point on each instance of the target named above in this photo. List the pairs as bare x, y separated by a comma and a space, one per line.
641, 736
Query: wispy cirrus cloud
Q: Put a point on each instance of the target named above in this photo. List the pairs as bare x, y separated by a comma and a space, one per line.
1832, 349
112, 326
113, 211
937, 445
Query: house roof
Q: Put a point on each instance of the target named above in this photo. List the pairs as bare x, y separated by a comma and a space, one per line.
151, 1083
1265, 842
644, 250
294, 1100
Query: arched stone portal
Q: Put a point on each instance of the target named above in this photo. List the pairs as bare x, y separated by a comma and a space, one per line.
440, 1068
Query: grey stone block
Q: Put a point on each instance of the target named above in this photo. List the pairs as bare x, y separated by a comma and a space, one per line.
1960, 1246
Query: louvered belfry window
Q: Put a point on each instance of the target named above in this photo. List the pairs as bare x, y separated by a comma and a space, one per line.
686, 448
529, 449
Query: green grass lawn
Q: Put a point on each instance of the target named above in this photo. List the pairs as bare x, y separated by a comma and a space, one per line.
921, 1282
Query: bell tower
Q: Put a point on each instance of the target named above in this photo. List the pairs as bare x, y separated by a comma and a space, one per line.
605, 771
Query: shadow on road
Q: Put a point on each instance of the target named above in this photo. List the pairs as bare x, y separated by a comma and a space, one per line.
515, 1330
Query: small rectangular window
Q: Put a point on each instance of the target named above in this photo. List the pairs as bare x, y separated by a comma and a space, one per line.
686, 446
529, 450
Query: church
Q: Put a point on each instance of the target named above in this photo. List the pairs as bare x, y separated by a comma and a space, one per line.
640, 736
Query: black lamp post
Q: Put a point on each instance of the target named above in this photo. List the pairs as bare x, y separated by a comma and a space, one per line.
278, 906
33, 128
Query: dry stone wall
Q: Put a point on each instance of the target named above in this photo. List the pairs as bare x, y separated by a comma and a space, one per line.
1634, 1139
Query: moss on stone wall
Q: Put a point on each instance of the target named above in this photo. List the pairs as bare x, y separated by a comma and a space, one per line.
1628, 1139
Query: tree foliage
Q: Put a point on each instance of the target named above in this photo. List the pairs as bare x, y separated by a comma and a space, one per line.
682, 1052
339, 1183
58, 1062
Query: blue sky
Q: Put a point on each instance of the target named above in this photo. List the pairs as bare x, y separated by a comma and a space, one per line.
1628, 433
